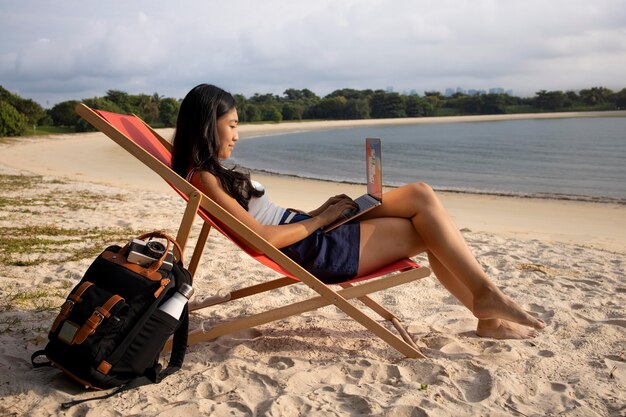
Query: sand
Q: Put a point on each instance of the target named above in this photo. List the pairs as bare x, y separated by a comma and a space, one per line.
562, 260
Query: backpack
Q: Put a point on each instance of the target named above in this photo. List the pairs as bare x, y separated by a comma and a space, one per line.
110, 330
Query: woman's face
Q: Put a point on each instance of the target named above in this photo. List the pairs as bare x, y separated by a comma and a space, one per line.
227, 133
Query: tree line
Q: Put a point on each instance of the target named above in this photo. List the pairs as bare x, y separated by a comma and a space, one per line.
19, 116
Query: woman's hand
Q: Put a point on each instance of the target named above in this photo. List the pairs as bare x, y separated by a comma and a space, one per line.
336, 207
328, 203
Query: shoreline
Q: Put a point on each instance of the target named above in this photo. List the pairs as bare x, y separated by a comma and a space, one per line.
540, 196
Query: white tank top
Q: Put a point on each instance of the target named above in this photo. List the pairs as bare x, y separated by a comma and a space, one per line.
263, 210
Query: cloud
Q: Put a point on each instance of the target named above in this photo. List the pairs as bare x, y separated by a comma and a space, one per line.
64, 49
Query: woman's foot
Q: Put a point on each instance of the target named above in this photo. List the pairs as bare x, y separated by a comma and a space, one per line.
493, 304
502, 329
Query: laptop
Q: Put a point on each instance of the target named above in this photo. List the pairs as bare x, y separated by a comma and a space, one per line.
374, 196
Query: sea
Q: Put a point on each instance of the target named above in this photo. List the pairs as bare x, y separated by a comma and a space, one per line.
574, 159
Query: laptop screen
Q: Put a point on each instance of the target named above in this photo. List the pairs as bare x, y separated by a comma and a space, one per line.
373, 159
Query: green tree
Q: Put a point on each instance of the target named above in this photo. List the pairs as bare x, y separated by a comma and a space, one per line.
168, 111
387, 105
147, 107
252, 113
330, 108
63, 114
272, 114
551, 100
414, 106
620, 99
12, 122
467, 104
493, 104
29, 108
357, 108
596, 95
293, 111
572, 96
303, 97
122, 100
350, 93
98, 103
431, 103
241, 102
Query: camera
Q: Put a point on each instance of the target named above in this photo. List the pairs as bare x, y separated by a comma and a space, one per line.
145, 253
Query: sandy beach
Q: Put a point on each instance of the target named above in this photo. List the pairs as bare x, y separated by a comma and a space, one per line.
562, 260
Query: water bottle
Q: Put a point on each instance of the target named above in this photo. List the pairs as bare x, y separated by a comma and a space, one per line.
175, 305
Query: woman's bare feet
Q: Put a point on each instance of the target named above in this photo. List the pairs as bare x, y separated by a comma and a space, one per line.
493, 304
502, 329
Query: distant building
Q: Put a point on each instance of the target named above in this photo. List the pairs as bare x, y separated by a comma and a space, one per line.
449, 92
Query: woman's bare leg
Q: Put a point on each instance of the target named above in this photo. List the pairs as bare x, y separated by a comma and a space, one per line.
437, 232
494, 328
384, 240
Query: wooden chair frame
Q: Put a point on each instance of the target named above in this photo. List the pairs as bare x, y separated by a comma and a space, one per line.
215, 216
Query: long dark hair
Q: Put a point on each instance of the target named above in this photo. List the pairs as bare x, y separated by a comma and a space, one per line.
196, 142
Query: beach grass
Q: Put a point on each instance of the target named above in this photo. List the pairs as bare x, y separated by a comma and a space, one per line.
35, 199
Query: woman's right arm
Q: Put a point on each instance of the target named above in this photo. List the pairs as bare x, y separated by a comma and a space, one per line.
279, 236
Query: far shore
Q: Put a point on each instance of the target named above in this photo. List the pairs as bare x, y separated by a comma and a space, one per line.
249, 130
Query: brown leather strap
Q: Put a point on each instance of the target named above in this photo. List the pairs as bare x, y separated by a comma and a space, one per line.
66, 308
161, 234
105, 310
77, 296
98, 315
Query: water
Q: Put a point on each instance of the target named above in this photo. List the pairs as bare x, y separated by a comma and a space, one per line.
582, 158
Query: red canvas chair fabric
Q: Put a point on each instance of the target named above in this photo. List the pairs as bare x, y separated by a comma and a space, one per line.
149, 147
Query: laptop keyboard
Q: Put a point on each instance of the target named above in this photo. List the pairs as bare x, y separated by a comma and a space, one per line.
366, 201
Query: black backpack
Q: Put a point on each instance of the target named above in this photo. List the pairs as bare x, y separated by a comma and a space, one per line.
110, 331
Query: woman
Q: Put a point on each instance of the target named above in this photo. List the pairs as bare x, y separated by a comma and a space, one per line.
411, 220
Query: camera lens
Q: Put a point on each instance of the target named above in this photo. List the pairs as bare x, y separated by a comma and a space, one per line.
154, 249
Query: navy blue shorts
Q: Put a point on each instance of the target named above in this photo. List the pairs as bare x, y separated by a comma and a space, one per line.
332, 257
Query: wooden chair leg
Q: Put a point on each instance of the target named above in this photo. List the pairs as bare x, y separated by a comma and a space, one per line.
197, 252
188, 217
405, 347
387, 315
242, 293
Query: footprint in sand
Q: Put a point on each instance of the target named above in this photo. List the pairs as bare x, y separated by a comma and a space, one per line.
406, 411
546, 353
541, 311
358, 405
475, 382
280, 363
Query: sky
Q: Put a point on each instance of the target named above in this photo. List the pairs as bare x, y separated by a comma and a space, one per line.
52, 51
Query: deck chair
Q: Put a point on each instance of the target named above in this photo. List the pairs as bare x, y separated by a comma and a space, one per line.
140, 140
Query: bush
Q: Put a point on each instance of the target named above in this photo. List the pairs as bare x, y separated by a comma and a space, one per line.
12, 122
63, 114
